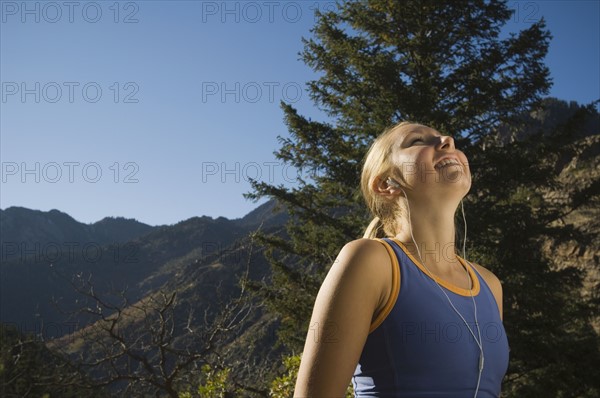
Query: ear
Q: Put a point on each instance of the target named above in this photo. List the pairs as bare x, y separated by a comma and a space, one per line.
381, 187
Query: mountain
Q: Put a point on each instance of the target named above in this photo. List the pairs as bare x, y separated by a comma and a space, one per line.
44, 253
19, 224
551, 113
269, 214
118, 229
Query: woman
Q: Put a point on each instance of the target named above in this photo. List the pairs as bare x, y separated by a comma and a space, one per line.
405, 316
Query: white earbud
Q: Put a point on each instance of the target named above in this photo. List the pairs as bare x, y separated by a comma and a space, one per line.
391, 182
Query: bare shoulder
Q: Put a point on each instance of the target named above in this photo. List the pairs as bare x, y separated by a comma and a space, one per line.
367, 255
371, 260
365, 247
490, 278
493, 282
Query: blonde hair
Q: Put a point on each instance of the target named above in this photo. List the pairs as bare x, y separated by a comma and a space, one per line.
378, 163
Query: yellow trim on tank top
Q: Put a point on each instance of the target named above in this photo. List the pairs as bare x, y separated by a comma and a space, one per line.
447, 285
395, 287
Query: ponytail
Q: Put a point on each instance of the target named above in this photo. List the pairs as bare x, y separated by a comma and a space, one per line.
374, 229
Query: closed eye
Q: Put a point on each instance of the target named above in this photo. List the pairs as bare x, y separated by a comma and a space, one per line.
415, 140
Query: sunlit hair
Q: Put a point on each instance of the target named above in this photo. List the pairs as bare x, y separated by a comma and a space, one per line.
378, 162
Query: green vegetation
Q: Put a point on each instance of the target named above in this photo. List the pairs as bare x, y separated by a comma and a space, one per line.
29, 369
215, 384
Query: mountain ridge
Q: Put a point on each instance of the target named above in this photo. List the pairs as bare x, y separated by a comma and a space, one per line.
141, 259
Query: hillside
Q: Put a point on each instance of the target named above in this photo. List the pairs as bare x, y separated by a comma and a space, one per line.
19, 225
578, 171
142, 261
582, 249
202, 282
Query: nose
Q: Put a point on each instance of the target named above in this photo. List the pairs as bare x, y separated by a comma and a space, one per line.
446, 143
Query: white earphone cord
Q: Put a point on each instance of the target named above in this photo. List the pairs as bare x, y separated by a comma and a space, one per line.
479, 342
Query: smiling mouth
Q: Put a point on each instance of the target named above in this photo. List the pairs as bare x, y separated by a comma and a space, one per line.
446, 163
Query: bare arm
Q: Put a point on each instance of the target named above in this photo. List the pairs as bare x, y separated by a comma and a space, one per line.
494, 284
357, 285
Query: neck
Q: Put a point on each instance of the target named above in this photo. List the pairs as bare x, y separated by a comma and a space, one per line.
433, 230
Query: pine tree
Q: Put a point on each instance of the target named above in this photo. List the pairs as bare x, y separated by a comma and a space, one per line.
443, 64
29, 369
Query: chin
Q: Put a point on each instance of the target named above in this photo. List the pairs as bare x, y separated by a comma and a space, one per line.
460, 186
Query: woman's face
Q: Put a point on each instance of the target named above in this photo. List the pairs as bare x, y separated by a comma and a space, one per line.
429, 162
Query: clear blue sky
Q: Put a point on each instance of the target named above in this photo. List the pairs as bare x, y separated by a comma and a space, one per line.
164, 117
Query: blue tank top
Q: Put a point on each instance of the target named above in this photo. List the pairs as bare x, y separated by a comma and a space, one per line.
419, 347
